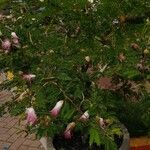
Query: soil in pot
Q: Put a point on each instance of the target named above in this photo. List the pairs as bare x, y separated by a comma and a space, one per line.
78, 142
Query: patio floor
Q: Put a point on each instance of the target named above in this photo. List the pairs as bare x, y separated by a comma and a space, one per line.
12, 136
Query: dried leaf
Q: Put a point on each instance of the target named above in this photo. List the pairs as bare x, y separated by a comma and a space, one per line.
104, 83
121, 57
147, 86
2, 77
135, 46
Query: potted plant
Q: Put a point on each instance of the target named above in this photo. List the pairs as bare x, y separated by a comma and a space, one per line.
63, 62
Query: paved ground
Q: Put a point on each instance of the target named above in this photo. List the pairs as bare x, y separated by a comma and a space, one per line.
11, 137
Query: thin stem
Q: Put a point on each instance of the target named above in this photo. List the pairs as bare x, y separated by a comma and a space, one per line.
68, 98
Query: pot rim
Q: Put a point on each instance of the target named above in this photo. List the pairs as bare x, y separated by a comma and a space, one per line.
126, 139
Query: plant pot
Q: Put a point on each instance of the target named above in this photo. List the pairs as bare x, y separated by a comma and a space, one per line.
126, 139
140, 143
48, 142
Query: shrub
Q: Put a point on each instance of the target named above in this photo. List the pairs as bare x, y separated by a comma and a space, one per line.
69, 63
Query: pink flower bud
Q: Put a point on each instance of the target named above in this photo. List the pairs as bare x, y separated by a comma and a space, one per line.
28, 77
91, 1
87, 58
6, 45
68, 131
68, 134
13, 35
55, 111
85, 116
15, 39
31, 116
101, 122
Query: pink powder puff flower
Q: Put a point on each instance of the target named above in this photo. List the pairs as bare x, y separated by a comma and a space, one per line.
85, 116
68, 131
55, 111
101, 122
6, 45
31, 115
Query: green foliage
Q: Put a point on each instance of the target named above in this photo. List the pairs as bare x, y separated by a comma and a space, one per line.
104, 137
69, 45
94, 136
135, 116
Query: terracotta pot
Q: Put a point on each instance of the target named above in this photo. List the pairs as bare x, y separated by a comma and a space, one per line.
140, 143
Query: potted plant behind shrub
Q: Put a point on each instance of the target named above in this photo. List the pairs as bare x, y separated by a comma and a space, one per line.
55, 53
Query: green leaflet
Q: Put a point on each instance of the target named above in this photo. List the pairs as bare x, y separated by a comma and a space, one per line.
131, 74
67, 111
97, 137
2, 2
116, 131
94, 136
64, 77
110, 145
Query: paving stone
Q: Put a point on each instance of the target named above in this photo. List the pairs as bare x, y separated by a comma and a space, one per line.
3, 130
2, 124
24, 135
35, 143
8, 119
12, 131
23, 123
12, 123
23, 148
32, 148
14, 137
17, 144
4, 137
31, 137
27, 142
